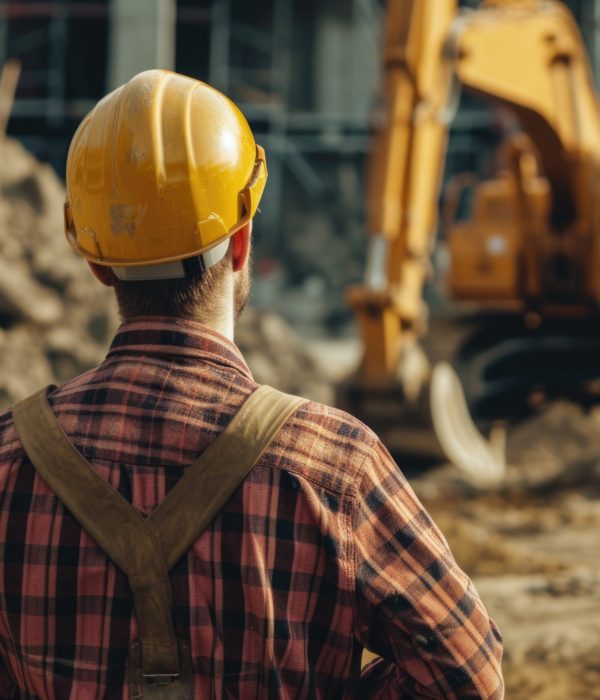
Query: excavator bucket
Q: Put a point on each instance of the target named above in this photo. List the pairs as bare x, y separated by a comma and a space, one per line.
433, 426
481, 459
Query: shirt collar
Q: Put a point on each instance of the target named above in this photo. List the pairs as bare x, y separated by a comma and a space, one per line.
179, 339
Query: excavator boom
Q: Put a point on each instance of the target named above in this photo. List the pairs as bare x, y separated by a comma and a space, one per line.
405, 170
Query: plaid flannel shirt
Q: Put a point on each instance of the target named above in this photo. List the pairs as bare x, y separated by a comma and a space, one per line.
323, 550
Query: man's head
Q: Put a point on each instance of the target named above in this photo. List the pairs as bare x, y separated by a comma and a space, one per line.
208, 296
163, 179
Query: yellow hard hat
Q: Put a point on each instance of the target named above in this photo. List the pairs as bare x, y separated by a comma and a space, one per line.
163, 169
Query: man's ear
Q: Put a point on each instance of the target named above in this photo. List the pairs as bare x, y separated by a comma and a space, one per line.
103, 274
240, 246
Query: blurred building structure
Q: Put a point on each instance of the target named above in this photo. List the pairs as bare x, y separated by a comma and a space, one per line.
305, 72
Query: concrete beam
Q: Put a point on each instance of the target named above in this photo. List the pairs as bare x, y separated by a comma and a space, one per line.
142, 36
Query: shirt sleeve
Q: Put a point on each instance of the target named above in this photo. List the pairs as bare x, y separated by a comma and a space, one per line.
416, 608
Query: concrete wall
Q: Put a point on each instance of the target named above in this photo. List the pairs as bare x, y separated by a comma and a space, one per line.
347, 56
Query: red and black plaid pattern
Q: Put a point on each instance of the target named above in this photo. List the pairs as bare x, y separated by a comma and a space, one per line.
323, 550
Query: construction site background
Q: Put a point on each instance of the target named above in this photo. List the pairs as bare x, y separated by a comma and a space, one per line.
305, 73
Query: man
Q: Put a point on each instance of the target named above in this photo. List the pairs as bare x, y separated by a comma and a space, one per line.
322, 550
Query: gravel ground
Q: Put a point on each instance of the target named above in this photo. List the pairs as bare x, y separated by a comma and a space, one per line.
532, 549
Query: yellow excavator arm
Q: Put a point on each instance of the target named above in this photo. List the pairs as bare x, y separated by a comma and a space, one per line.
524, 54
405, 170
538, 219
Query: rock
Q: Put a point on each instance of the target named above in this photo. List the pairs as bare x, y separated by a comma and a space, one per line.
48, 332
23, 299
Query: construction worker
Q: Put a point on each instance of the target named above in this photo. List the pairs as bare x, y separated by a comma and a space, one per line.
271, 539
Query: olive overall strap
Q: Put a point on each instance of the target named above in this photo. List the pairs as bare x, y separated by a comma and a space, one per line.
209, 483
137, 545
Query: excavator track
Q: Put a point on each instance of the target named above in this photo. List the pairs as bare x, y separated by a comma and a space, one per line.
508, 370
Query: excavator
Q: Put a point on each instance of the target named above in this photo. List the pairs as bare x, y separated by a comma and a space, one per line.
522, 277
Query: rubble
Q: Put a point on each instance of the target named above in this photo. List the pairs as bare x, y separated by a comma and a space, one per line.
55, 319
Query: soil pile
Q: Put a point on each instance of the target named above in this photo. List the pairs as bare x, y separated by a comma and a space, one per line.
55, 320
560, 446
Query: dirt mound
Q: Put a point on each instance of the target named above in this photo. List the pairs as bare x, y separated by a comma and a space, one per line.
557, 448
55, 320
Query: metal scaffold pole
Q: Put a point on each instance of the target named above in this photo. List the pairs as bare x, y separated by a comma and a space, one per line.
278, 117
219, 44
55, 109
152, 23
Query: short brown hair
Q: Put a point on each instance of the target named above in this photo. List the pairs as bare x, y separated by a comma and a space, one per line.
190, 297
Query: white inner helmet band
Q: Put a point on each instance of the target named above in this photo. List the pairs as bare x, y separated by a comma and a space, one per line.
174, 270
